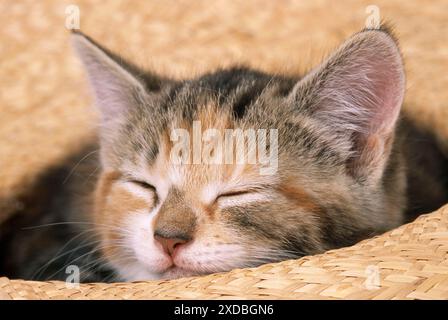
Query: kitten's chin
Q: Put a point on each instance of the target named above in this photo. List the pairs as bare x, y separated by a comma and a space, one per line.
141, 274
176, 272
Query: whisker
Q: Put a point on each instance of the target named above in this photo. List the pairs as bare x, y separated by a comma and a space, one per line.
58, 255
78, 163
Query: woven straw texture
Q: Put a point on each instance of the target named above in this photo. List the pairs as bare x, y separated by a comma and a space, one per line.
44, 111
410, 262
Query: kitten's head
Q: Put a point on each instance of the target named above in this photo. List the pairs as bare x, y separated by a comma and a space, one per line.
172, 202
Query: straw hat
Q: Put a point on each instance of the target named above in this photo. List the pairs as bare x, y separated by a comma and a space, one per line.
410, 262
45, 112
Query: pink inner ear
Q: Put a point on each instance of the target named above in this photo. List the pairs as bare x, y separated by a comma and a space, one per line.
113, 96
359, 92
114, 87
363, 85
387, 86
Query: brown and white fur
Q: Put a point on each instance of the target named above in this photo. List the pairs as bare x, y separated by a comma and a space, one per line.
346, 161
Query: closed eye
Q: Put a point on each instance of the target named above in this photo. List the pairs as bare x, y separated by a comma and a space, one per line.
242, 197
233, 193
144, 185
248, 194
147, 186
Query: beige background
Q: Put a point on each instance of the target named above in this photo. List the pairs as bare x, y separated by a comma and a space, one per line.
44, 103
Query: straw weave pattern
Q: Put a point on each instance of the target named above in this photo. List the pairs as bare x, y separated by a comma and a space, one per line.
46, 114
411, 262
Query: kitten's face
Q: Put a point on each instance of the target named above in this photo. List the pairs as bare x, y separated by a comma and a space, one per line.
159, 218
223, 216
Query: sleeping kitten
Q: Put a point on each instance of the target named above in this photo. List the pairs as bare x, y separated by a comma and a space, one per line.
347, 167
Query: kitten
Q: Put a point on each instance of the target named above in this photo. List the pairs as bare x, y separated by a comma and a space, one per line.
349, 166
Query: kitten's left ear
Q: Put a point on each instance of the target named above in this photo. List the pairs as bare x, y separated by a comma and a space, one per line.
357, 94
117, 85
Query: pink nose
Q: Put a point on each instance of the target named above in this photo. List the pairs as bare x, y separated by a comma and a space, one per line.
169, 244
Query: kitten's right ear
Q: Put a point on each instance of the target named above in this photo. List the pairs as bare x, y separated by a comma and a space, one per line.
116, 84
357, 95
